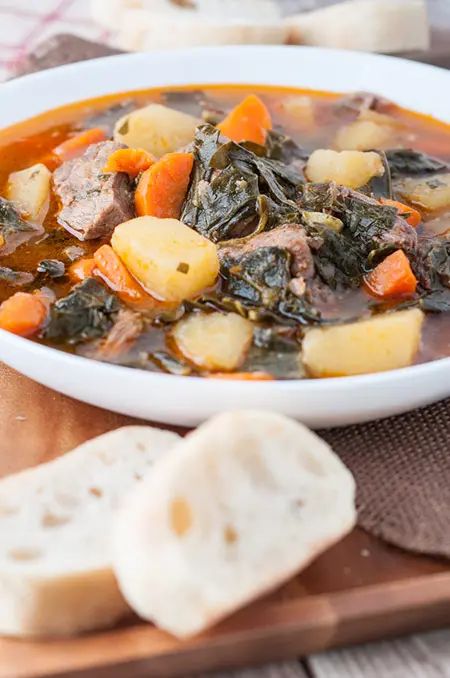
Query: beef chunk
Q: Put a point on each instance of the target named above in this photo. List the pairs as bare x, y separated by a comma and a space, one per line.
352, 104
93, 203
291, 237
119, 341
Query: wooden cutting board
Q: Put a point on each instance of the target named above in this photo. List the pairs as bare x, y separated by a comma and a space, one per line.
359, 590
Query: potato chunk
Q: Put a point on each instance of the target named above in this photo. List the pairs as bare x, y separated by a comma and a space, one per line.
157, 129
172, 261
348, 168
370, 130
30, 190
385, 342
432, 193
214, 341
301, 109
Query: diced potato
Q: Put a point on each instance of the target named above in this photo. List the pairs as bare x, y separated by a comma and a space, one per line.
301, 109
30, 190
379, 118
172, 261
157, 129
322, 219
214, 341
431, 194
384, 342
348, 168
363, 135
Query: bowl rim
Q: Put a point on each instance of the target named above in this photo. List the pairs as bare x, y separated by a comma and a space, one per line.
274, 52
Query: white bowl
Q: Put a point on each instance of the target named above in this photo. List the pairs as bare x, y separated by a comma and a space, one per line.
189, 400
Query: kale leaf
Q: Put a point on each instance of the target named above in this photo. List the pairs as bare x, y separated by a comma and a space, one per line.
14, 230
407, 162
432, 267
337, 260
234, 188
370, 231
53, 268
87, 312
259, 280
17, 278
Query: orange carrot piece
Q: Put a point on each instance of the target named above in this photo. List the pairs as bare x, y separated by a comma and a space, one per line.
249, 121
112, 270
162, 188
133, 161
393, 277
411, 215
23, 314
81, 269
76, 145
242, 376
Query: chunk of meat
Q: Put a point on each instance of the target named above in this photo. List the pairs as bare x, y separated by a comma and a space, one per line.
119, 340
93, 203
352, 104
291, 237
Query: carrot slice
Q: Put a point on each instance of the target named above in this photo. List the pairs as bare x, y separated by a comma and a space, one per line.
162, 188
242, 376
75, 146
116, 275
393, 277
23, 314
81, 269
411, 215
248, 121
133, 161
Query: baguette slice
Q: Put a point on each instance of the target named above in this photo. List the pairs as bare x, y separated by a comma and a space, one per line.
369, 25
242, 504
55, 526
158, 24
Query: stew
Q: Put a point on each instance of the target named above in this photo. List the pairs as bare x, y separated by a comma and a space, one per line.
229, 232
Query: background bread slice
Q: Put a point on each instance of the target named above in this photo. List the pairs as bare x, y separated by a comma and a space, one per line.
55, 530
369, 25
156, 24
240, 505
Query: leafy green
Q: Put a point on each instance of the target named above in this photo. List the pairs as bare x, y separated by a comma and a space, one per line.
369, 232
337, 260
53, 268
87, 312
17, 278
275, 351
13, 229
170, 364
259, 279
234, 188
367, 224
227, 204
278, 179
407, 162
381, 187
433, 270
281, 147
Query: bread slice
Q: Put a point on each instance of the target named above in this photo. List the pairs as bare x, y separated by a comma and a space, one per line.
369, 25
240, 505
55, 528
144, 25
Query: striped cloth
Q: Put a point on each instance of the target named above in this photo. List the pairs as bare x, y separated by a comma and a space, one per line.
24, 23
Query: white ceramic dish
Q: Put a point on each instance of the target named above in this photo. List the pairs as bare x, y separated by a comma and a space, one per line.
187, 400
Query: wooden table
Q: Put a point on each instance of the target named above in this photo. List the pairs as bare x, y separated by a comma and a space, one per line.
360, 589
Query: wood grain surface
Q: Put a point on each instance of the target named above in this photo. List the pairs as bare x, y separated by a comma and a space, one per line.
359, 590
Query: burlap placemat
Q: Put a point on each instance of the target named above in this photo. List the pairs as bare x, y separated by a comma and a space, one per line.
401, 464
